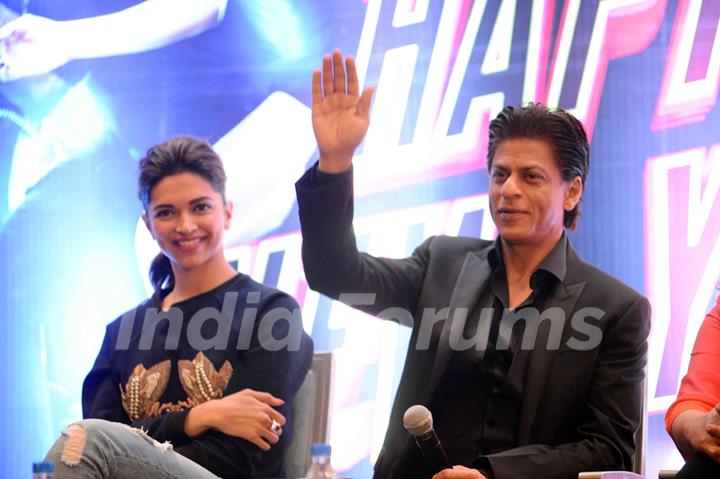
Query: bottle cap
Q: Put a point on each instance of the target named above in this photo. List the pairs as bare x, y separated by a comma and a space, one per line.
43, 467
320, 450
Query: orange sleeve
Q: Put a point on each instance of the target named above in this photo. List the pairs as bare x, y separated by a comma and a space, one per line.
700, 388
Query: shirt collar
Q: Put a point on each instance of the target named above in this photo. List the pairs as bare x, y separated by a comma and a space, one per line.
554, 263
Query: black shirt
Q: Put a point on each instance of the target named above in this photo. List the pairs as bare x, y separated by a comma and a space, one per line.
476, 406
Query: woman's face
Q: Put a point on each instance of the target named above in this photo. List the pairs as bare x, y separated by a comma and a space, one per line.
186, 217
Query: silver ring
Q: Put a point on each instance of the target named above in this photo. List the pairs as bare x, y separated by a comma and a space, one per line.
276, 427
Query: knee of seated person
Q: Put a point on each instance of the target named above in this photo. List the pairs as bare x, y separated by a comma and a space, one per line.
73, 447
80, 435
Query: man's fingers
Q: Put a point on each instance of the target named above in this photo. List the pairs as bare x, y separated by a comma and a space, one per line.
339, 72
327, 76
363, 107
459, 472
338, 77
353, 85
444, 474
316, 88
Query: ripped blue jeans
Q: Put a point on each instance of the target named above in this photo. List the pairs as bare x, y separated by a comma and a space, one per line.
94, 448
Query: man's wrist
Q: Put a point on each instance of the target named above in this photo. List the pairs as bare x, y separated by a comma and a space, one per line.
334, 165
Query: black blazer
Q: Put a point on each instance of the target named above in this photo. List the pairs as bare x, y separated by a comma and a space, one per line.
581, 408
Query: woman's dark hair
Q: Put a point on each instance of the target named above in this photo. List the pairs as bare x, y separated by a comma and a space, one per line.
560, 129
172, 157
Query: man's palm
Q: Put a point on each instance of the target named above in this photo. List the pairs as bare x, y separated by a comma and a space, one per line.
340, 116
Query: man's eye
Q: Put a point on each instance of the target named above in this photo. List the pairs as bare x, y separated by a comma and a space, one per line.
202, 207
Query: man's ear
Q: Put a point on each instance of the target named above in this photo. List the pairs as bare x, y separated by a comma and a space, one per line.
147, 224
573, 194
228, 214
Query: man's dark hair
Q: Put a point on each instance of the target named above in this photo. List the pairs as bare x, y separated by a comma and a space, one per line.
560, 129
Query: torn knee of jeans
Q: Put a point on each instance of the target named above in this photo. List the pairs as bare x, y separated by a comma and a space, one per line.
140, 432
165, 446
74, 445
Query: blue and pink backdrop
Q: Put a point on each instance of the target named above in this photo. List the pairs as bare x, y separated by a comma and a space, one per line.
642, 75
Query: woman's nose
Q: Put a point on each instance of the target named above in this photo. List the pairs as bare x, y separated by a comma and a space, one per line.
185, 224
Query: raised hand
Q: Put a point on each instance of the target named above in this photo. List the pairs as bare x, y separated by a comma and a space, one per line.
247, 414
31, 45
340, 114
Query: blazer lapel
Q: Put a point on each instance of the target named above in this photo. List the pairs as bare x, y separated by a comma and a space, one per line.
473, 278
541, 358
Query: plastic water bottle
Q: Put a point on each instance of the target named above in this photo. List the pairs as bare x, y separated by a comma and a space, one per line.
43, 470
320, 467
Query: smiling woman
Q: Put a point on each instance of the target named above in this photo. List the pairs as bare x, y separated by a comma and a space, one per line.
175, 403
182, 189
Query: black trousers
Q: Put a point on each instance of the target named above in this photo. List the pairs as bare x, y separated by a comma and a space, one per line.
699, 466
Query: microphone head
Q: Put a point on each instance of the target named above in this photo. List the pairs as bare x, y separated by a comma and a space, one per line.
417, 420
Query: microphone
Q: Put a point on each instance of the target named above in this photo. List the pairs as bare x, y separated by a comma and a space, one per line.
419, 423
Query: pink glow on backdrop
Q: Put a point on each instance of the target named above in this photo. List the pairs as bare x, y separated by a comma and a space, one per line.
682, 212
686, 94
629, 30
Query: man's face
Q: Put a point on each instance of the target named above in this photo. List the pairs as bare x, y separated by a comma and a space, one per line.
528, 197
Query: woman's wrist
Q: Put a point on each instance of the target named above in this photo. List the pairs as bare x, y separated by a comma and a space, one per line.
200, 418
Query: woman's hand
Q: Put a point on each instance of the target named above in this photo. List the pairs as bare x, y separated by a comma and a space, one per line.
247, 414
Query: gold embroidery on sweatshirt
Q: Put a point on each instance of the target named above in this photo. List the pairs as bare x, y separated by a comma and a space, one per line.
199, 378
201, 381
143, 390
